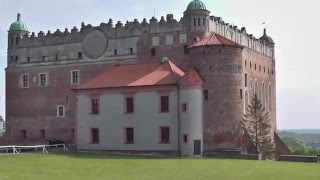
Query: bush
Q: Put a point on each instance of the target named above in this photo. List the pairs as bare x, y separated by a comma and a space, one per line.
306, 151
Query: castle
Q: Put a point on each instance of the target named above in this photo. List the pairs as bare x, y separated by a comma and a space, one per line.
47, 73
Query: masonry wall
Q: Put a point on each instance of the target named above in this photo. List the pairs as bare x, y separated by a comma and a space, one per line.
220, 67
35, 108
112, 120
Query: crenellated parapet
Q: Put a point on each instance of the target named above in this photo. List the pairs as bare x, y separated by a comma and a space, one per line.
240, 36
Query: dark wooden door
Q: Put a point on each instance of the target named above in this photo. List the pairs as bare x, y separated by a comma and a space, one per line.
197, 147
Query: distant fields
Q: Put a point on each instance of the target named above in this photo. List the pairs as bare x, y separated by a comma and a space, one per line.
93, 166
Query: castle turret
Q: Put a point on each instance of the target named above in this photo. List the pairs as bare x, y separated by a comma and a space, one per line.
196, 17
17, 30
191, 114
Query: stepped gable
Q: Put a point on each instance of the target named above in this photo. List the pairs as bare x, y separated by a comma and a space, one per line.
214, 40
133, 75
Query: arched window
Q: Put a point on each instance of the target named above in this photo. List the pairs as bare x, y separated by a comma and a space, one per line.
270, 96
246, 103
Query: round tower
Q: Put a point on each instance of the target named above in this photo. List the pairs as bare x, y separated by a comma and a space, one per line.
191, 114
17, 30
196, 17
218, 61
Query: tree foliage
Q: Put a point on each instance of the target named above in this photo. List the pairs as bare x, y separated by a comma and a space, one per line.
258, 124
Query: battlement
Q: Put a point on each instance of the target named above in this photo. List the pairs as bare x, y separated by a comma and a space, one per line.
112, 31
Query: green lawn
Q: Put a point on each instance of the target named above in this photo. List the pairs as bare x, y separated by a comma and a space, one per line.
91, 166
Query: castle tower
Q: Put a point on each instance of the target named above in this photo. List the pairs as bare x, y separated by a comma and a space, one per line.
17, 30
218, 61
191, 114
196, 17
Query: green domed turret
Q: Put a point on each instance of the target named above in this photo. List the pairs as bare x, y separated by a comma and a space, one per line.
18, 25
195, 5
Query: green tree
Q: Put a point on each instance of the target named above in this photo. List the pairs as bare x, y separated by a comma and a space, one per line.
258, 124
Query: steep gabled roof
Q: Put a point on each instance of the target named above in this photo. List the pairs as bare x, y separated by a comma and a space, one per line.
214, 40
133, 75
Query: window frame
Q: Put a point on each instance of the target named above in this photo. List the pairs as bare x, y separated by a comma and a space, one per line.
78, 77
22, 81
126, 139
185, 141
164, 108
161, 138
46, 82
95, 106
63, 112
127, 105
92, 140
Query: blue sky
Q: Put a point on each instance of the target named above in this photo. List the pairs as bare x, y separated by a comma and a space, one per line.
292, 24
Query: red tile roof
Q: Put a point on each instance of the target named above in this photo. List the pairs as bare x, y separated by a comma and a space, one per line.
132, 75
214, 40
191, 78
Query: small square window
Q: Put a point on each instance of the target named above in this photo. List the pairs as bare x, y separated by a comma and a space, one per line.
60, 111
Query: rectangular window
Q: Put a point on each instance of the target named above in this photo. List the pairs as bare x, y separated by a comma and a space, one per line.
204, 22
95, 106
240, 93
199, 22
245, 63
206, 95
185, 138
42, 134
245, 80
28, 59
153, 52
24, 134
250, 65
95, 136
129, 136
60, 111
75, 77
43, 80
186, 50
131, 50
129, 105
184, 107
25, 80
79, 55
164, 135
194, 22
115, 52
164, 103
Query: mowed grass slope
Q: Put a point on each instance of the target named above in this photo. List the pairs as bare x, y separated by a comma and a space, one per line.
92, 166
